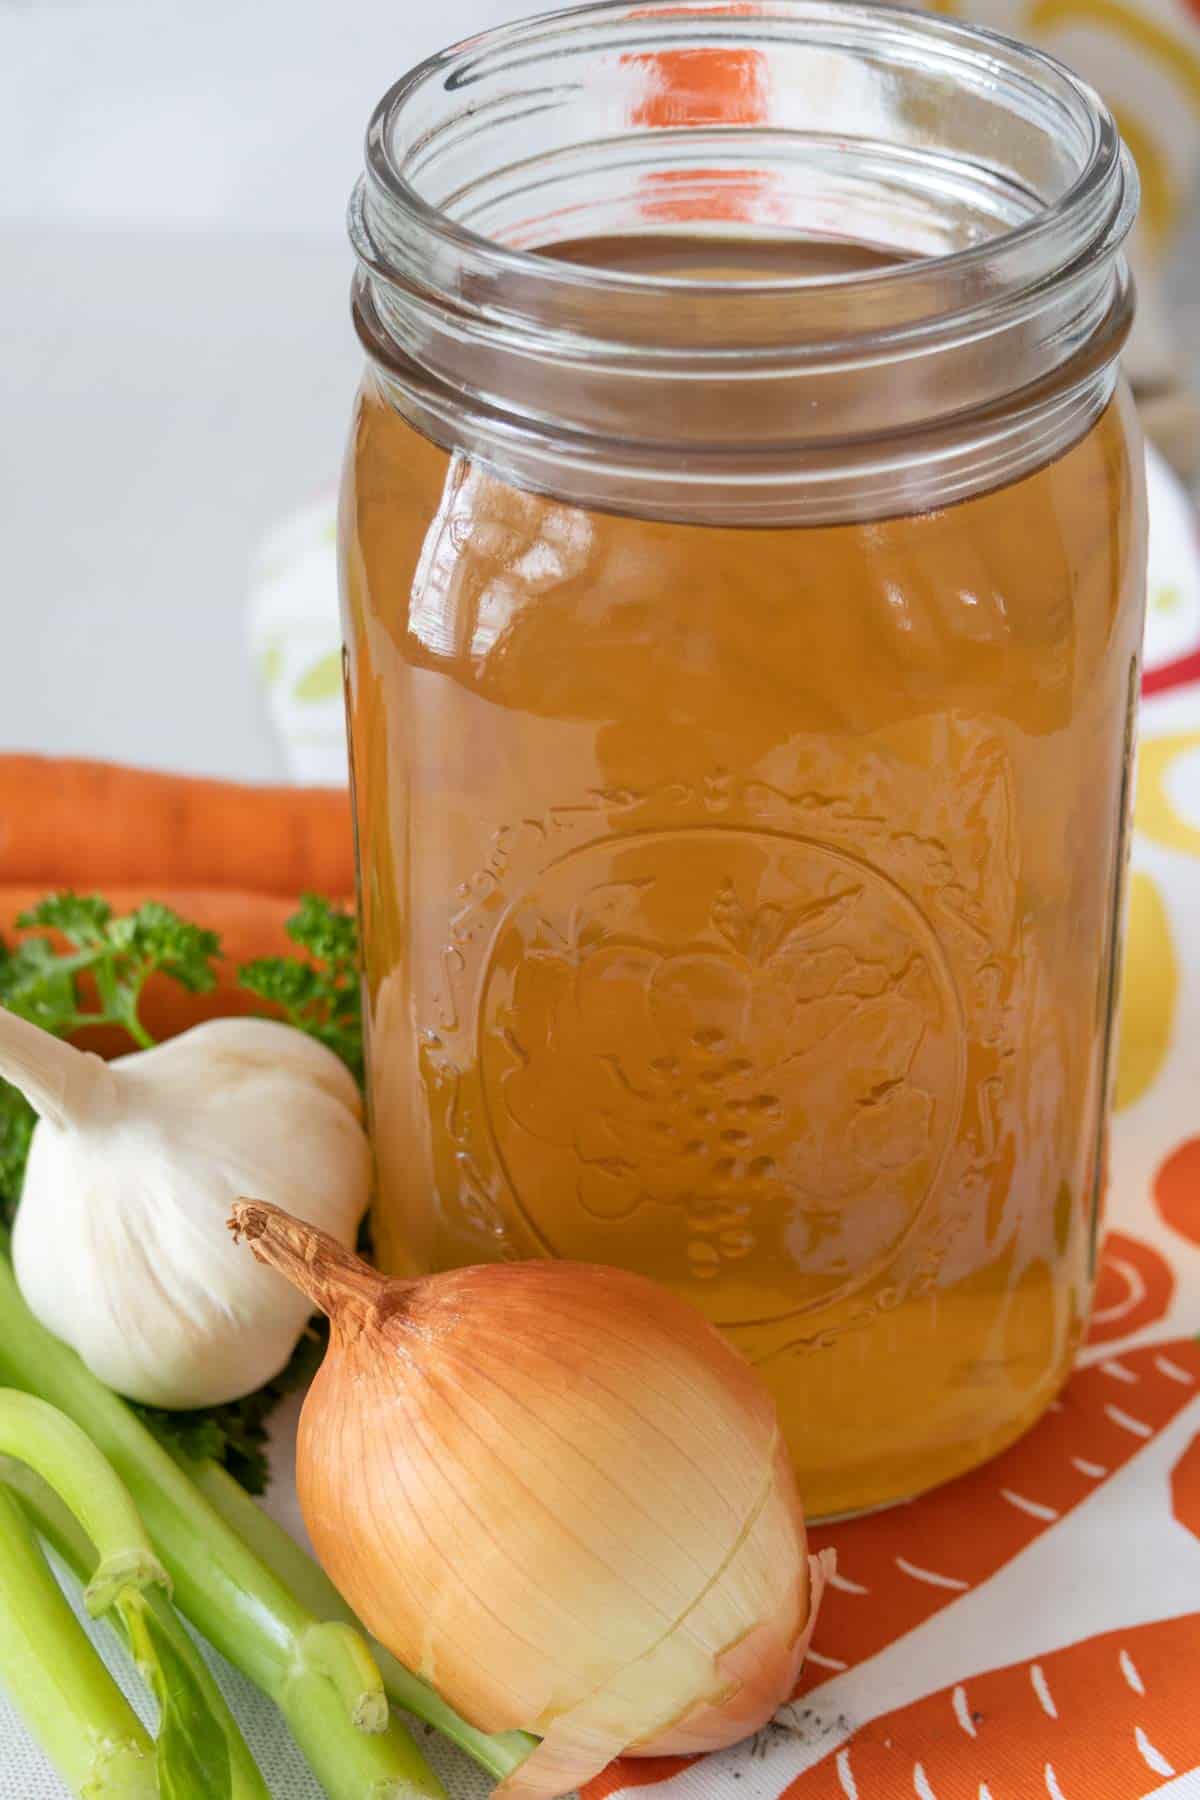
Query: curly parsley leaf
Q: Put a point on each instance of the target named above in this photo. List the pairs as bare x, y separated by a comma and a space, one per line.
318, 993
40, 985
119, 953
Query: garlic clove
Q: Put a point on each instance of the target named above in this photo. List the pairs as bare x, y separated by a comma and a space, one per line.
233, 1049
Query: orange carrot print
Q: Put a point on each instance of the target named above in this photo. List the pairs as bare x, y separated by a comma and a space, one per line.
1185, 1488
1133, 1288
1177, 1190
705, 85
897, 1568
702, 85
673, 196
1111, 1718
900, 1567
635, 1772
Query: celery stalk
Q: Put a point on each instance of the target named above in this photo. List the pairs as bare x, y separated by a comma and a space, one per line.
192, 1754
174, 1660
54, 1447
319, 1673
58, 1683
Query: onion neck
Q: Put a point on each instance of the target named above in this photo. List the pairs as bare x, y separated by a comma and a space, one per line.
65, 1086
344, 1287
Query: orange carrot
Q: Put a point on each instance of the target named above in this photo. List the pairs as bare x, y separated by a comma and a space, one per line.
90, 825
248, 925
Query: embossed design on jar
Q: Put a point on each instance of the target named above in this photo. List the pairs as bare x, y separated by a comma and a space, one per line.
733, 1058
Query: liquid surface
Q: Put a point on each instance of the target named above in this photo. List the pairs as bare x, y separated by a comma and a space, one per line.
732, 258
739, 907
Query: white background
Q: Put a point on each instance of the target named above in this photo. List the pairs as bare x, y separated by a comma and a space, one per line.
176, 358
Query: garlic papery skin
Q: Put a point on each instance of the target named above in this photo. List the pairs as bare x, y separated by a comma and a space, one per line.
120, 1246
556, 1493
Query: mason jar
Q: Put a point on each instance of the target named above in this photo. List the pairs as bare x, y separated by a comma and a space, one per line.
743, 547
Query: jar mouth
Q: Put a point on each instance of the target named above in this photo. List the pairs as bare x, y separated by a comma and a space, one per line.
481, 98
993, 177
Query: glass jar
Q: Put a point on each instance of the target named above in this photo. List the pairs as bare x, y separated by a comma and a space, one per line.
743, 555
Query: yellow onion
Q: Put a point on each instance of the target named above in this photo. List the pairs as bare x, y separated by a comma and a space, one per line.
558, 1494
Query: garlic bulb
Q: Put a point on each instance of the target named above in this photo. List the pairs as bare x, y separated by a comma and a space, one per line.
120, 1246
556, 1493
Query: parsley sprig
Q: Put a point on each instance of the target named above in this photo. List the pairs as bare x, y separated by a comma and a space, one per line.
322, 995
119, 953
98, 980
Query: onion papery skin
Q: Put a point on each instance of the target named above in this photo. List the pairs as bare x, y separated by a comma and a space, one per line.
558, 1494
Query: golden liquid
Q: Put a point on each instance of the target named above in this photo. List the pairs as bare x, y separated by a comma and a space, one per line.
739, 907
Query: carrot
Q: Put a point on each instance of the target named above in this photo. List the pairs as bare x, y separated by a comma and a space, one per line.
248, 925
897, 1568
1114, 1715
94, 825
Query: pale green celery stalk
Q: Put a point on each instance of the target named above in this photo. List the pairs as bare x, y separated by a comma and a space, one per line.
192, 1759
319, 1672
499, 1753
58, 1683
35, 1433
188, 1696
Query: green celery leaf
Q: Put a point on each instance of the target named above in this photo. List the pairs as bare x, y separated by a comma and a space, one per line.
192, 1760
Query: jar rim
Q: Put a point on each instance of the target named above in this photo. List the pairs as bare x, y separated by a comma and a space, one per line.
1093, 215
871, 119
